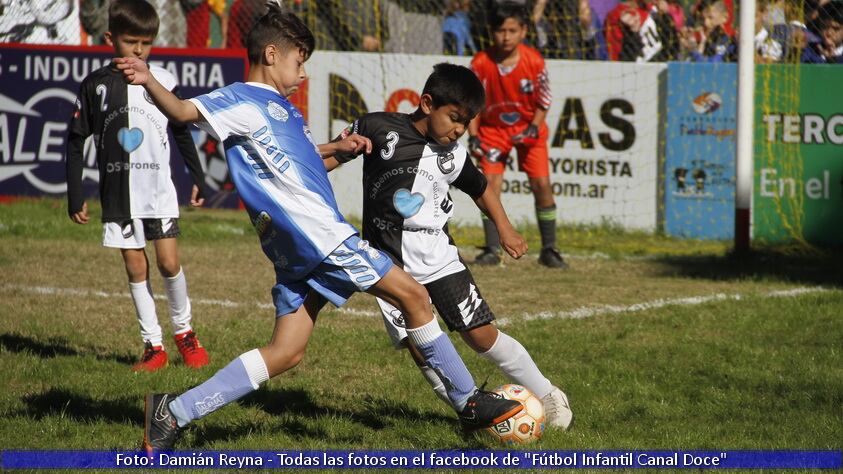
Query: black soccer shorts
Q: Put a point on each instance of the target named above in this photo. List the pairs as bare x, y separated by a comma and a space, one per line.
459, 302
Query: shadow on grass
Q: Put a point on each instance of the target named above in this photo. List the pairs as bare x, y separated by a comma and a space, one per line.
823, 268
371, 412
55, 347
65, 404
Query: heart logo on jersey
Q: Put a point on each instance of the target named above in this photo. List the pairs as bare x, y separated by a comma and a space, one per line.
130, 138
406, 203
510, 118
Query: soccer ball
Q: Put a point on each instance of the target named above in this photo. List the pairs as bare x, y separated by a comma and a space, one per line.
525, 427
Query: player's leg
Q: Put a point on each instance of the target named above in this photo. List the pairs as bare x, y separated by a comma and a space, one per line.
499, 143
476, 408
354, 266
534, 161
166, 414
163, 233
129, 238
393, 321
463, 308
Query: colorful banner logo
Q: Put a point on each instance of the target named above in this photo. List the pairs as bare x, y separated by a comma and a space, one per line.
700, 150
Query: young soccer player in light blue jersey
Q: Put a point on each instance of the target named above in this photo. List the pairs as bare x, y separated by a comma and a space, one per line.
317, 255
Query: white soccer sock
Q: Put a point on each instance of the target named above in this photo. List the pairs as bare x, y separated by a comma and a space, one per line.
435, 382
514, 361
179, 303
145, 309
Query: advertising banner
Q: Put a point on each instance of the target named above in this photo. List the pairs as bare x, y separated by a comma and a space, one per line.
603, 132
38, 88
700, 150
798, 182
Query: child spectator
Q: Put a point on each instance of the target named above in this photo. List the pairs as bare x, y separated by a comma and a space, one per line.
138, 197
316, 254
517, 100
632, 34
456, 29
716, 45
827, 47
593, 42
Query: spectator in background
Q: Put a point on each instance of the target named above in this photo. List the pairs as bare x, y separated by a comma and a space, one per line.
173, 30
198, 18
664, 14
343, 25
456, 29
93, 15
677, 13
602, 8
632, 34
769, 47
699, 6
714, 44
557, 30
241, 18
593, 41
827, 47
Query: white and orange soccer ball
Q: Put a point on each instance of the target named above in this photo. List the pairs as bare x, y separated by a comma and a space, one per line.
525, 427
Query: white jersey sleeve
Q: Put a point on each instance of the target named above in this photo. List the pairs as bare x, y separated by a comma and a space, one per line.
223, 114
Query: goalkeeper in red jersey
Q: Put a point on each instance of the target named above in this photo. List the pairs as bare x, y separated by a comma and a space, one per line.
517, 100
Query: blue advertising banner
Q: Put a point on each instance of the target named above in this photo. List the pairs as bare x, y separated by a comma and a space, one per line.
700, 153
38, 88
291, 459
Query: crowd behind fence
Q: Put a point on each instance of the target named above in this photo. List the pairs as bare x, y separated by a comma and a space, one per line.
788, 31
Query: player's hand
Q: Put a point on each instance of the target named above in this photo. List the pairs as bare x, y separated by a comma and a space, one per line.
134, 70
512, 242
529, 136
81, 217
195, 200
349, 147
475, 147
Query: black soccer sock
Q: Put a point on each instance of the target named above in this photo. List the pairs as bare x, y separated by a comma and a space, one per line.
547, 225
493, 240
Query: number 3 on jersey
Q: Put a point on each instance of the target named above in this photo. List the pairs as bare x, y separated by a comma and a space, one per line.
391, 140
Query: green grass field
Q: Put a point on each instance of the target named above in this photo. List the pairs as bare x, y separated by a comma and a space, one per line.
659, 343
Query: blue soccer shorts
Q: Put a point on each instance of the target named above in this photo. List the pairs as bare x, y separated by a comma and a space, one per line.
352, 267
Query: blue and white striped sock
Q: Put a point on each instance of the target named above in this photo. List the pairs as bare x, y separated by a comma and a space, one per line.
441, 356
240, 377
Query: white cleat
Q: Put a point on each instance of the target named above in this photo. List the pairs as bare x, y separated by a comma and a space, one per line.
557, 410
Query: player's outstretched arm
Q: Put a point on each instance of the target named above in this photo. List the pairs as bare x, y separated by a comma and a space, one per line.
136, 72
342, 150
511, 240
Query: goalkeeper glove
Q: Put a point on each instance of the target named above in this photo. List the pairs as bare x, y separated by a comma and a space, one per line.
475, 147
528, 137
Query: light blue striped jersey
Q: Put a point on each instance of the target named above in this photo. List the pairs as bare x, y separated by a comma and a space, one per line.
279, 175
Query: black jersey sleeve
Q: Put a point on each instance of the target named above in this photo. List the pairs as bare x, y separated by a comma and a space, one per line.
470, 180
79, 131
187, 149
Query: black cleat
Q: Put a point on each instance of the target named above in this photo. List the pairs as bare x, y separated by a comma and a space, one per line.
160, 428
487, 257
485, 409
551, 258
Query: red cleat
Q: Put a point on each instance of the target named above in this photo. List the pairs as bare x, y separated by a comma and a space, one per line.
191, 350
153, 358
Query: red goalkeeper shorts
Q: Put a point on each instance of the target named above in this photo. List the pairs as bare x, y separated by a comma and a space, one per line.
532, 160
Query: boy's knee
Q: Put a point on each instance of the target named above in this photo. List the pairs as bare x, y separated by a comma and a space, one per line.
279, 361
417, 292
480, 339
168, 267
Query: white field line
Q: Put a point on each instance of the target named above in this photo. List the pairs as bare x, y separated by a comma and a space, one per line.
591, 311
46, 290
579, 313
